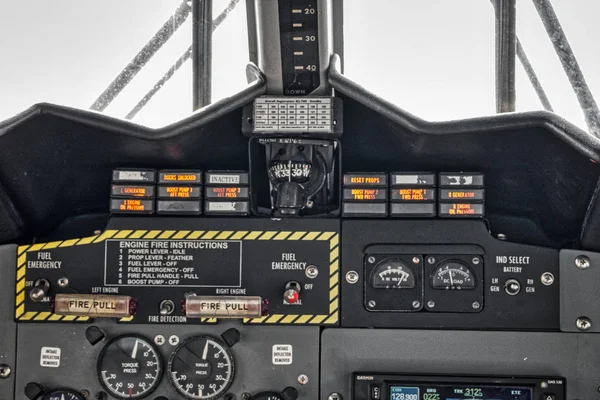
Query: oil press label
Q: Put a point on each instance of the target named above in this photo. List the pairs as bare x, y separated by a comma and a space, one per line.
183, 263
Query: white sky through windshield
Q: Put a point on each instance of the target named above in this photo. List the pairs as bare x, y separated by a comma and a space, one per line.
433, 58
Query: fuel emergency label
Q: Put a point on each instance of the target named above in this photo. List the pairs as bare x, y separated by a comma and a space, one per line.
182, 263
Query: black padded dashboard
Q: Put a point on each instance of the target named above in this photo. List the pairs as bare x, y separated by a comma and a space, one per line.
541, 176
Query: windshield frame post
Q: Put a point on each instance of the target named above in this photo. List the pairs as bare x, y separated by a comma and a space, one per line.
202, 28
506, 50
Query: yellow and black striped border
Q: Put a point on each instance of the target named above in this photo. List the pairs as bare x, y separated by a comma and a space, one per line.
320, 319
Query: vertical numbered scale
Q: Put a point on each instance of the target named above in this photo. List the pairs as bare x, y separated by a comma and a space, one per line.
299, 29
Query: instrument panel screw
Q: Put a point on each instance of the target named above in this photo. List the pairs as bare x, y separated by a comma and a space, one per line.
174, 340
475, 260
302, 379
335, 396
501, 236
63, 282
583, 324
431, 260
159, 340
371, 260
476, 305
5, 371
246, 396
312, 271
582, 262
547, 278
416, 260
431, 304
372, 303
85, 393
352, 277
416, 304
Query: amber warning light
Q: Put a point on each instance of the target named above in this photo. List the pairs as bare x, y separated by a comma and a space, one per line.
132, 191
180, 192
410, 194
131, 205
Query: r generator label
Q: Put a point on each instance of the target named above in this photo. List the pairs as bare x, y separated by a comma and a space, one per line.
183, 263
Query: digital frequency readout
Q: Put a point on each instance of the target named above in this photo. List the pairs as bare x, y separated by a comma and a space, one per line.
459, 392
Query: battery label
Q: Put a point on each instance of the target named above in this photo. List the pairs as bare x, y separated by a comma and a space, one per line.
183, 263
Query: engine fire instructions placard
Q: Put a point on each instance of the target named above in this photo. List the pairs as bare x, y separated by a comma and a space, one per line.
173, 263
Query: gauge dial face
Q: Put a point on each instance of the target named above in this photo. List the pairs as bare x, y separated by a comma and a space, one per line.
201, 368
129, 367
62, 395
453, 275
392, 273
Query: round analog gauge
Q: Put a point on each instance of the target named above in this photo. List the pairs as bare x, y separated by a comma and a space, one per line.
453, 275
62, 394
130, 367
201, 368
392, 273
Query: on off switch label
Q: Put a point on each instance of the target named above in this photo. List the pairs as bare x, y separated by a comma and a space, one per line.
183, 263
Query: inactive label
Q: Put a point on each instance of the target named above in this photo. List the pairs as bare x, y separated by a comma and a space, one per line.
133, 206
472, 195
412, 209
94, 305
413, 194
225, 307
365, 179
225, 192
179, 192
227, 207
461, 179
50, 357
412, 179
226, 178
189, 177
181, 207
184, 263
133, 176
460, 210
283, 354
132, 191
365, 194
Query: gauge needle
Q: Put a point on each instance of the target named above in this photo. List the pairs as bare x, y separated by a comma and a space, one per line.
134, 352
62, 397
451, 282
205, 352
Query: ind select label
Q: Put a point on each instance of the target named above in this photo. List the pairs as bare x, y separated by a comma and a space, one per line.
293, 114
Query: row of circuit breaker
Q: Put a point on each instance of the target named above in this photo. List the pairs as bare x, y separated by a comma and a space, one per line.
413, 194
179, 192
